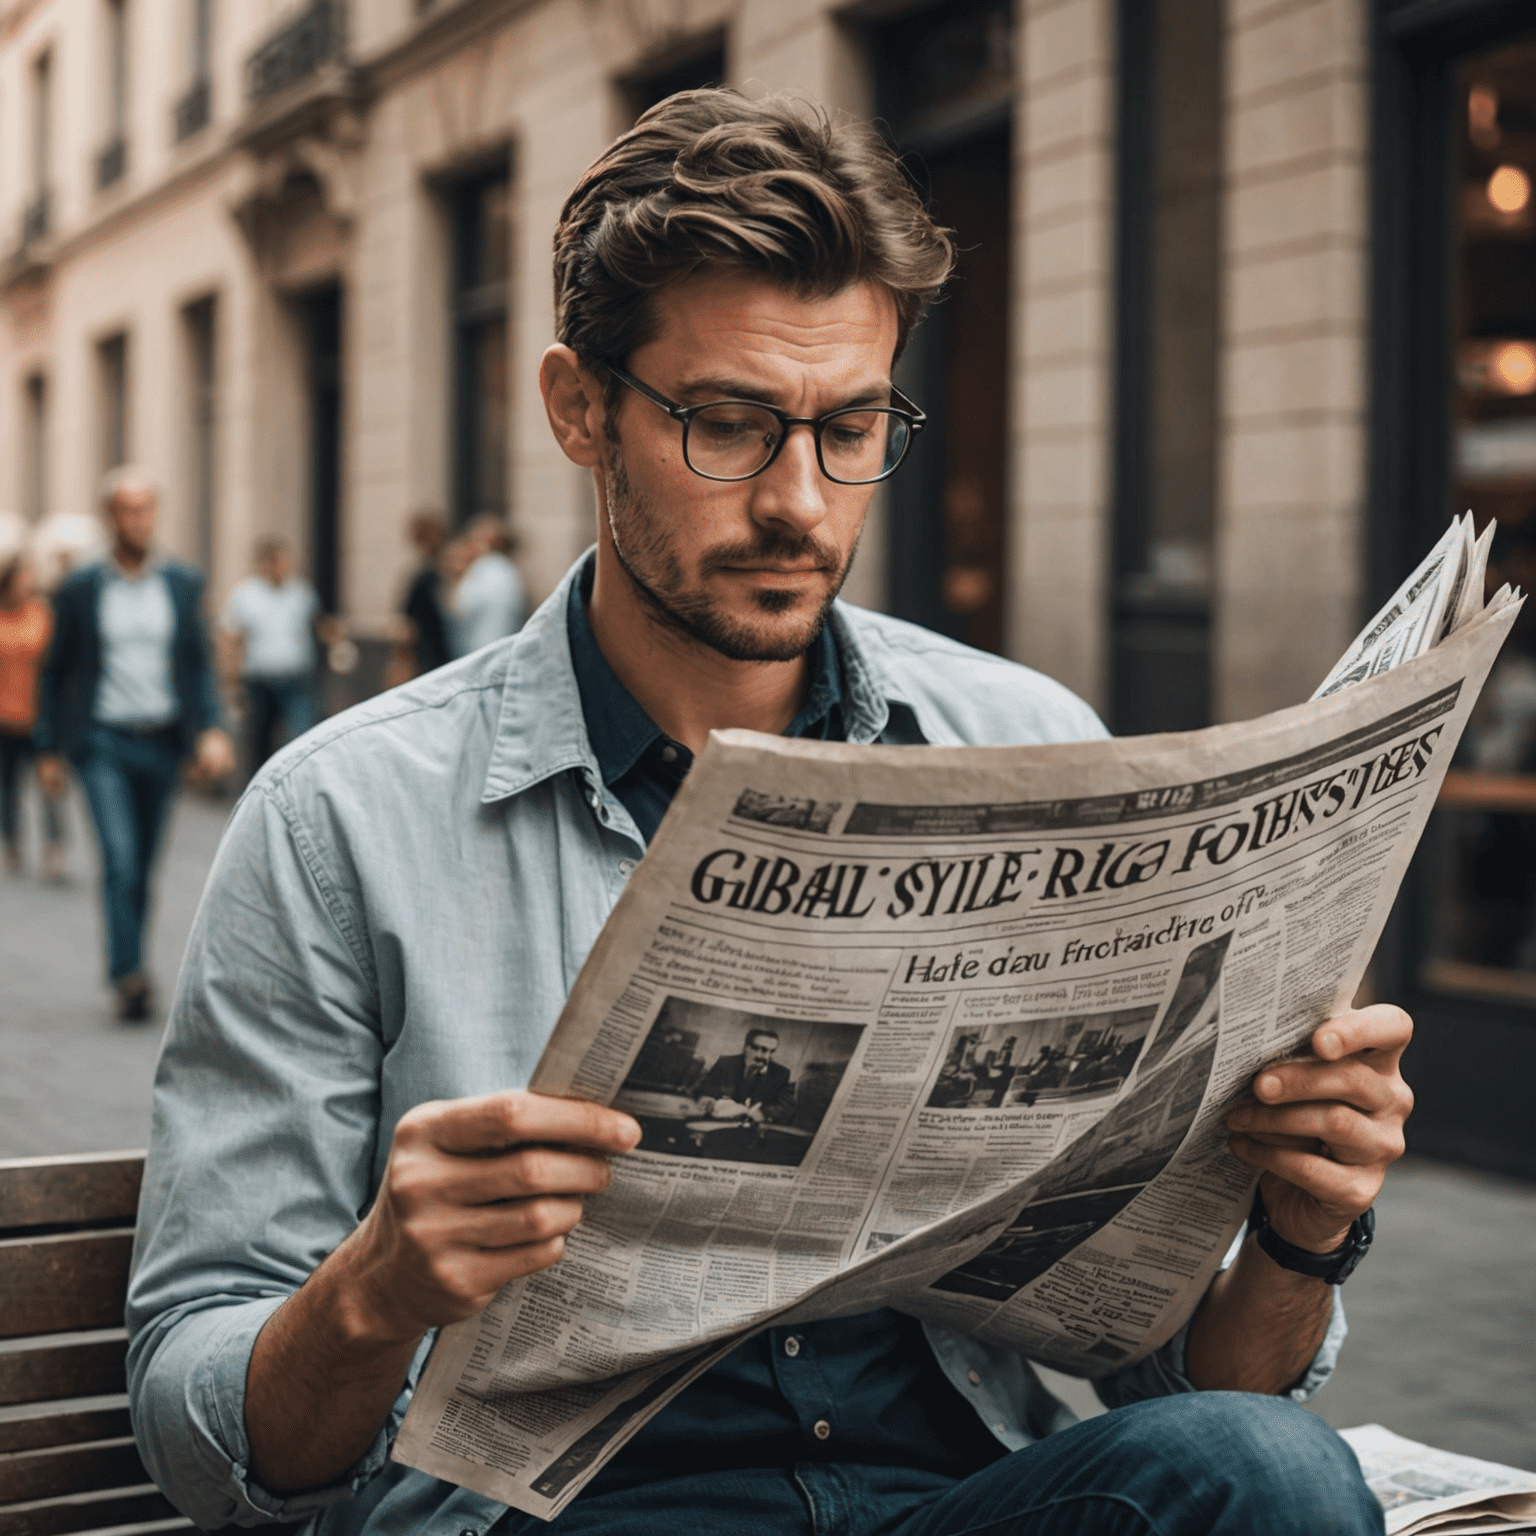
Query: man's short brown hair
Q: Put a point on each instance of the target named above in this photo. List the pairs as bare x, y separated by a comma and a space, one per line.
709, 180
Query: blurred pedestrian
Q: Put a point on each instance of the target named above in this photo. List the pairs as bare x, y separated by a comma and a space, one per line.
489, 601
26, 623
127, 694
268, 630
424, 645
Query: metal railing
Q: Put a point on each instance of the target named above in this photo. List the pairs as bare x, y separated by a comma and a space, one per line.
192, 112
316, 36
111, 162
34, 220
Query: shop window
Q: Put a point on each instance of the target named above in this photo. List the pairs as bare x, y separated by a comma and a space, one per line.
1483, 909
481, 219
34, 406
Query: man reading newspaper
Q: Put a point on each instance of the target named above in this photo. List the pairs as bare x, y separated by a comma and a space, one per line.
343, 1160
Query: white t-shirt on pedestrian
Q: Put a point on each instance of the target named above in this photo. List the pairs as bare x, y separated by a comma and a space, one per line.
275, 624
489, 604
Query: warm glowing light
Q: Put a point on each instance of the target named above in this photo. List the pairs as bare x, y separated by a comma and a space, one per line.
1509, 189
1515, 365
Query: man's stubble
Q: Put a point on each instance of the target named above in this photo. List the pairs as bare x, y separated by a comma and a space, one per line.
648, 559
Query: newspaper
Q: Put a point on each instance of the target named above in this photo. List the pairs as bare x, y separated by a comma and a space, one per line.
954, 1030
1423, 1490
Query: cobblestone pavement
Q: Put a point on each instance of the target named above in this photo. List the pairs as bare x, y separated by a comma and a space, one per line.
1442, 1343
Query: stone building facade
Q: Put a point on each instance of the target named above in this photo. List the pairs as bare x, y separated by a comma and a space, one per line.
1242, 314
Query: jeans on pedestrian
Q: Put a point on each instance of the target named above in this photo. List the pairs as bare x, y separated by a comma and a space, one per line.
1197, 1464
128, 779
274, 701
15, 754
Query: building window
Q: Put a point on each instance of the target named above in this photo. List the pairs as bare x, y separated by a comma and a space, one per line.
112, 372
36, 220
34, 488
943, 89
480, 213
1167, 349
690, 67
199, 323
112, 159
193, 110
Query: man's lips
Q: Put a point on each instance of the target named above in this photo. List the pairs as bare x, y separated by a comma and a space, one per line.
776, 570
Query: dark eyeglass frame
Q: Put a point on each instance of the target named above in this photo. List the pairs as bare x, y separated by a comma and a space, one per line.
908, 411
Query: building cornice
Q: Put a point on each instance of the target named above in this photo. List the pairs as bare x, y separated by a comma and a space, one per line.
435, 37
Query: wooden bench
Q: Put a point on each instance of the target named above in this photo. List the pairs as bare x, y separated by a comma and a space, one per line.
67, 1458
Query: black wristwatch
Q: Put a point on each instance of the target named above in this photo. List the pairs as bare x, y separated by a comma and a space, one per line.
1335, 1267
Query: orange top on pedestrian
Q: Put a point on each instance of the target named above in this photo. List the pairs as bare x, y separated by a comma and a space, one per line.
24, 634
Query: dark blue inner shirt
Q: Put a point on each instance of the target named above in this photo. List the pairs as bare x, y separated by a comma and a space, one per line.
870, 1381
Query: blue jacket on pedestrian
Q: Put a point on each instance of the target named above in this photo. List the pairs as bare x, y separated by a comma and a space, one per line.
66, 692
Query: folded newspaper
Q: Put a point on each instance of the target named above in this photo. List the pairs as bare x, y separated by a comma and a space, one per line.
1422, 1490
953, 1030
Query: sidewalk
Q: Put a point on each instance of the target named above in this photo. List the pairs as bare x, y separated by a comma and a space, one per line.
1442, 1344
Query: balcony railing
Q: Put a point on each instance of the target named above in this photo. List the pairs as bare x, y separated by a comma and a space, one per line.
34, 220
111, 162
316, 36
192, 111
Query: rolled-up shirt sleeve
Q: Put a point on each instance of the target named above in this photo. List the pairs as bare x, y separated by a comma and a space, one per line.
265, 1131
1163, 1373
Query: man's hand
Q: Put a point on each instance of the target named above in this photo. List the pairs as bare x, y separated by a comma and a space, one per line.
731, 1109
476, 1192
1326, 1129
51, 776
213, 756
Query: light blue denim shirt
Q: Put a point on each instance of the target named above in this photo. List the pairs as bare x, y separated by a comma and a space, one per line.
398, 910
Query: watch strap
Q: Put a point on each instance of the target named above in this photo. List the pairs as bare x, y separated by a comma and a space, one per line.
1334, 1267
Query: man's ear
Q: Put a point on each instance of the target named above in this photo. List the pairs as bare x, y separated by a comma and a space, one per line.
573, 400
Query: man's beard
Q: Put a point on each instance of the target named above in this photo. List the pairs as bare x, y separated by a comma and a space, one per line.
641, 546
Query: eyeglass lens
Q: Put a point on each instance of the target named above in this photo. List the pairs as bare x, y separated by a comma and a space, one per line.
734, 441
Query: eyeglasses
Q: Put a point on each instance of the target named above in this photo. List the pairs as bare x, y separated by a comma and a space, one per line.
737, 439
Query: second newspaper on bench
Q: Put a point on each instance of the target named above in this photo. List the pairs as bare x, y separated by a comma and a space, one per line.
953, 1029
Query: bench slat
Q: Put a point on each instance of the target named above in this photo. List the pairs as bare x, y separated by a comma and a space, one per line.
46, 1372
70, 1191
60, 1517
58, 1283
44, 1474
40, 1431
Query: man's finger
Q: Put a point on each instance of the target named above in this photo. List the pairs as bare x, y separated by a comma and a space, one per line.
1349, 1137
1341, 1188
501, 1121
1354, 1082
1382, 1027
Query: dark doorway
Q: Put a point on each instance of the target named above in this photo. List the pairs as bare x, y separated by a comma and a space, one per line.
944, 93
322, 316
1454, 427
1167, 337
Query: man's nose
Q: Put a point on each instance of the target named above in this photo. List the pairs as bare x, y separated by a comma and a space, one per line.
791, 492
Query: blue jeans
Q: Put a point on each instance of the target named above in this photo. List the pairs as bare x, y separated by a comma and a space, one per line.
274, 701
1201, 1464
128, 780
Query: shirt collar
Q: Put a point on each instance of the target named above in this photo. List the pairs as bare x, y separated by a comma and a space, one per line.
619, 728
542, 729
114, 572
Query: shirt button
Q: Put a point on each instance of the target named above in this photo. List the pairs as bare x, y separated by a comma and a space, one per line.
791, 1346
821, 1429
974, 1377
1002, 1429
626, 867
669, 753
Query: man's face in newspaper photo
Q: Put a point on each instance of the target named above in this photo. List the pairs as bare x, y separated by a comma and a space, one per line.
759, 1051
747, 567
